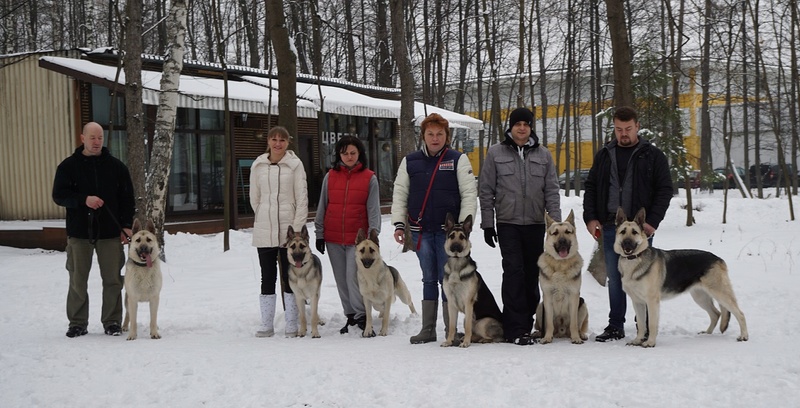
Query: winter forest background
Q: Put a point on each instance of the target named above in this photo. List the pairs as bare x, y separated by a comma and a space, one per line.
483, 56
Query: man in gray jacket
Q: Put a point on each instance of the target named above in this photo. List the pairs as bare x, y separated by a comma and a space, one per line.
517, 184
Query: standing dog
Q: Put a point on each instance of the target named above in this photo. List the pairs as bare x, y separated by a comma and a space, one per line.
466, 291
562, 312
378, 282
142, 277
650, 274
305, 278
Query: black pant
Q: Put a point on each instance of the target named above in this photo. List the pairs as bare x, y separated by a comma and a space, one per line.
270, 259
520, 247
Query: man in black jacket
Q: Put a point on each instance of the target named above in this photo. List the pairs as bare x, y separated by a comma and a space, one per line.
631, 173
97, 191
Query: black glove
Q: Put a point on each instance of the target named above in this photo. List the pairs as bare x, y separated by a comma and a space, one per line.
490, 236
321, 246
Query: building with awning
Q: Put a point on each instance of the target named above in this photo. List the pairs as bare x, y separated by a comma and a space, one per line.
50, 95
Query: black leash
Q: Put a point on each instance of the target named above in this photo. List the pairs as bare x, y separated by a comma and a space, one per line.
93, 238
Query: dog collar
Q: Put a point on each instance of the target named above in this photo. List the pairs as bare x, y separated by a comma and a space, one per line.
142, 264
629, 257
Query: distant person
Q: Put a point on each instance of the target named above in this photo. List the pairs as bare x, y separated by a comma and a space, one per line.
631, 173
279, 197
97, 191
431, 182
518, 183
349, 201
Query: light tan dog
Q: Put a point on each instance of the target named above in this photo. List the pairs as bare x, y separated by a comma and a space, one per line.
378, 282
650, 274
466, 291
142, 278
305, 278
562, 312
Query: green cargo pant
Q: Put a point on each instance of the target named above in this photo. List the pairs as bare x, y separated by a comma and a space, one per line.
111, 258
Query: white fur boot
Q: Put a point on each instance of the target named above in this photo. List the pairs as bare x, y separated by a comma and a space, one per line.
267, 303
291, 314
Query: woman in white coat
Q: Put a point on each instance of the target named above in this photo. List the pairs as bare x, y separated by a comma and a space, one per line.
279, 196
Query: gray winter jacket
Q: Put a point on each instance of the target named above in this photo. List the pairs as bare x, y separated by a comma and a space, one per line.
517, 184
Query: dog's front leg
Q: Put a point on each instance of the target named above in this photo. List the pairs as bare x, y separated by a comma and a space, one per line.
154, 317
651, 321
549, 326
469, 319
300, 300
315, 316
387, 306
368, 332
641, 317
132, 305
574, 333
127, 318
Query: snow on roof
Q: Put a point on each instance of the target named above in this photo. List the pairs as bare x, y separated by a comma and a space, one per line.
194, 92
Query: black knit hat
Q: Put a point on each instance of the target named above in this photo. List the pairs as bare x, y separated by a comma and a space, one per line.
520, 115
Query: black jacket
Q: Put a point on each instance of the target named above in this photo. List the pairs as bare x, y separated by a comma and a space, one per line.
652, 184
80, 176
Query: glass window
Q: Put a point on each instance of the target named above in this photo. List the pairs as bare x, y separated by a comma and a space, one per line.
101, 106
185, 119
383, 130
183, 185
117, 144
212, 171
211, 119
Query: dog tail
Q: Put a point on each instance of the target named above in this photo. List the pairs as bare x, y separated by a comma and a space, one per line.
726, 318
401, 290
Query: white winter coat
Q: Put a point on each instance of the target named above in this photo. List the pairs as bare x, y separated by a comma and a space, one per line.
279, 196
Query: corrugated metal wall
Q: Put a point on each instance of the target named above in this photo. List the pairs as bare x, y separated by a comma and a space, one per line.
37, 120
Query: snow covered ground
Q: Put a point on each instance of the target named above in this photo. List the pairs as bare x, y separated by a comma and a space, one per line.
208, 355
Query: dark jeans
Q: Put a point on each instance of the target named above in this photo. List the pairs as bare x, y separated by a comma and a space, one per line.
520, 247
270, 259
432, 258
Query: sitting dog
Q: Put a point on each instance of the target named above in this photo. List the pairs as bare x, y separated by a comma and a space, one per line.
378, 282
562, 312
650, 274
305, 278
466, 291
142, 277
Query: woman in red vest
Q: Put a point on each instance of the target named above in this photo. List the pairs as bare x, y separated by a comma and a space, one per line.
349, 201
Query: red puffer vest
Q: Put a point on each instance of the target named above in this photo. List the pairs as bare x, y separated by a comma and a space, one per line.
348, 190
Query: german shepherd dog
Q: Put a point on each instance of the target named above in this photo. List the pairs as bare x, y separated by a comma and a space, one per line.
305, 278
378, 282
650, 274
562, 312
466, 291
142, 277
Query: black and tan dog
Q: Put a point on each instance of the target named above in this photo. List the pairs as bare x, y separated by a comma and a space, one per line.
466, 291
142, 277
562, 312
305, 278
651, 274
378, 282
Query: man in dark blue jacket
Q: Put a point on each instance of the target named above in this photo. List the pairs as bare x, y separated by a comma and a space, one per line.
97, 191
631, 173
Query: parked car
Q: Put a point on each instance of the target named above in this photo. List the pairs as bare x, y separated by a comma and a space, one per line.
562, 179
770, 174
722, 174
694, 179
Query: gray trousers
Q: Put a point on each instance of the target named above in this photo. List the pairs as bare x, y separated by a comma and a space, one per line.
343, 263
111, 258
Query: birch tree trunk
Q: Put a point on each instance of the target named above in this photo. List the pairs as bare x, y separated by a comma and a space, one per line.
620, 52
286, 60
161, 157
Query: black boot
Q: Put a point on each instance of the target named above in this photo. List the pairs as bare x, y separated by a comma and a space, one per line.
350, 322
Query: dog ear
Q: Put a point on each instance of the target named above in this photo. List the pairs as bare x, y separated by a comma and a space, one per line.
304, 233
620, 216
289, 233
136, 226
640, 217
467, 224
547, 220
571, 218
360, 236
151, 227
449, 222
373, 236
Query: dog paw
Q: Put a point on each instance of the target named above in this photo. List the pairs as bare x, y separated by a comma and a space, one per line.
155, 336
742, 338
445, 344
577, 341
635, 342
546, 340
648, 344
464, 344
131, 337
370, 333
315, 335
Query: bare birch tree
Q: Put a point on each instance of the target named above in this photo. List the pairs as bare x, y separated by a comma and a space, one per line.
286, 60
403, 64
163, 140
134, 110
